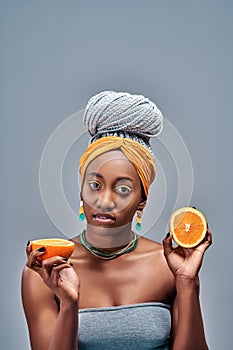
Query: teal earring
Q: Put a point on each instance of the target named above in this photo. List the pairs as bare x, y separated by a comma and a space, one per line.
81, 212
139, 220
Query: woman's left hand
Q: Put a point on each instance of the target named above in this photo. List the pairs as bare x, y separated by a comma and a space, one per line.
186, 262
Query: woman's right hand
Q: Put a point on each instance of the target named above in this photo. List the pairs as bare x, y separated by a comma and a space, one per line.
56, 273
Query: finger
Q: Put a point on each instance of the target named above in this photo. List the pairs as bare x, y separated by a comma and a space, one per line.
55, 274
53, 261
33, 258
167, 244
187, 252
208, 238
49, 264
206, 243
28, 248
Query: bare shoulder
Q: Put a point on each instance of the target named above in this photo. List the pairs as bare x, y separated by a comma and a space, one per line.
40, 309
147, 245
34, 290
32, 279
152, 265
153, 253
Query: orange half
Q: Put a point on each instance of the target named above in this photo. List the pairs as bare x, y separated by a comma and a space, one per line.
54, 247
188, 227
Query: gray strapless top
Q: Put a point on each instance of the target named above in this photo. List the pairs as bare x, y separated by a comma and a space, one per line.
128, 327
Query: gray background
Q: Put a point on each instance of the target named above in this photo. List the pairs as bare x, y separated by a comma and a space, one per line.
54, 56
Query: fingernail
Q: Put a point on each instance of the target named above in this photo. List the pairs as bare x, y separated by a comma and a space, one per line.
28, 243
168, 234
65, 259
42, 249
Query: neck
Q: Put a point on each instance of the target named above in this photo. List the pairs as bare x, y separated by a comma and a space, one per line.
109, 238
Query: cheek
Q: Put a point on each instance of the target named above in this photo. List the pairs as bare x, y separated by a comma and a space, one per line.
126, 215
126, 203
88, 194
129, 205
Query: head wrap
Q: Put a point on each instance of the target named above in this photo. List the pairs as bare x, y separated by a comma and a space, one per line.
119, 120
137, 154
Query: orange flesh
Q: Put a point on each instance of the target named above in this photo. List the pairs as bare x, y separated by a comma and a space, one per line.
54, 247
53, 242
188, 227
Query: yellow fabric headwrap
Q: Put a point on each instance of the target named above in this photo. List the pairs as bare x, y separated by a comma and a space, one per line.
137, 154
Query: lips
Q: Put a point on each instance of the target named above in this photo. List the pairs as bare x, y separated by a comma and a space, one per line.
104, 218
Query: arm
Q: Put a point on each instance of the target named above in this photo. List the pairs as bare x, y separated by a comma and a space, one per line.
187, 324
50, 327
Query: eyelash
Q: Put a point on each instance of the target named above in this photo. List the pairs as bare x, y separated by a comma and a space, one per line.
129, 189
124, 193
94, 183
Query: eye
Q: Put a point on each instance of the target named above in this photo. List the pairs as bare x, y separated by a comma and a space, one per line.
94, 185
123, 189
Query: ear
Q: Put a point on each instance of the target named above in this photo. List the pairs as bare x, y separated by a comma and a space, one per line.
142, 204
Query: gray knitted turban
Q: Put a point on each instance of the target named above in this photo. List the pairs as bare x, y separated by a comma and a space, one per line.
121, 114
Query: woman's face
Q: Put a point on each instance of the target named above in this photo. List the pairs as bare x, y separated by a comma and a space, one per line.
111, 190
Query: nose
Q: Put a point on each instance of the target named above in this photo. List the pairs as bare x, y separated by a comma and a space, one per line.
106, 200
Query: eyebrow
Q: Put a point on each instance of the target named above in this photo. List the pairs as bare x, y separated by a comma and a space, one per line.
118, 178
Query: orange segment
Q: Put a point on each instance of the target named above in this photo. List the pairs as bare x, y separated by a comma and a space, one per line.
188, 226
54, 247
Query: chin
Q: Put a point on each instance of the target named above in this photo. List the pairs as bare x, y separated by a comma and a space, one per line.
115, 227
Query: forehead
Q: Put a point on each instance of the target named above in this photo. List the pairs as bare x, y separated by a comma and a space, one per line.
113, 162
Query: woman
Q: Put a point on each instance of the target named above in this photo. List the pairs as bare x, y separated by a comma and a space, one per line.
119, 290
